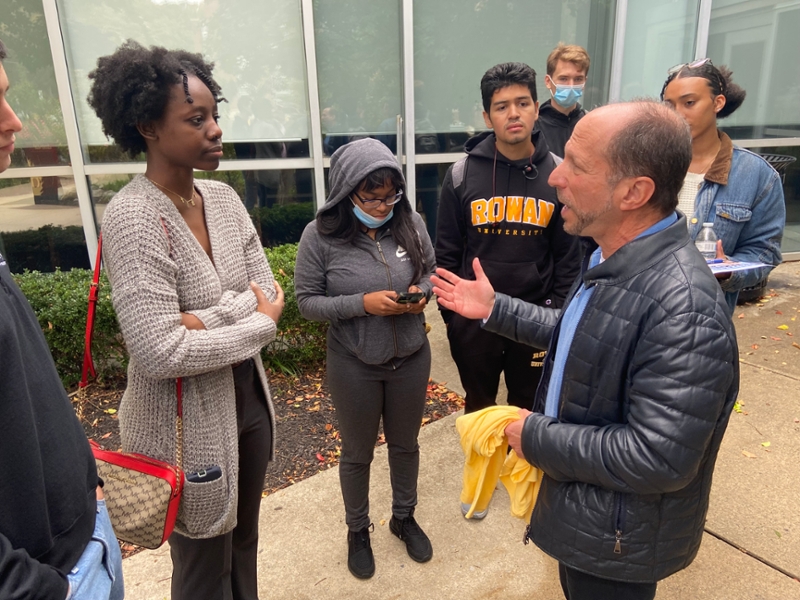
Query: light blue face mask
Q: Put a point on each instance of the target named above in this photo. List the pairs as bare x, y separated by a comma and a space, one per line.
369, 220
567, 95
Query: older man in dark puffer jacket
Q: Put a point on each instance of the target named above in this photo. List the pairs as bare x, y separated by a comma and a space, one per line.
642, 365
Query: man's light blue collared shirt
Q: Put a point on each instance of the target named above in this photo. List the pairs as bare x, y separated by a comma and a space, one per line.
572, 316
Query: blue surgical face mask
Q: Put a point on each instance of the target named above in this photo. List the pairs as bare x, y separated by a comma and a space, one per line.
367, 219
567, 95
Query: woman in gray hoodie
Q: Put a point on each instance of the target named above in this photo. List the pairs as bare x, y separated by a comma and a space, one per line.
357, 262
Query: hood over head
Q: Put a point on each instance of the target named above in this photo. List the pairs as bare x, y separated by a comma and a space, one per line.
351, 164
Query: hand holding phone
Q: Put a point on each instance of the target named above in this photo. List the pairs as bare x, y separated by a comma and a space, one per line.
409, 297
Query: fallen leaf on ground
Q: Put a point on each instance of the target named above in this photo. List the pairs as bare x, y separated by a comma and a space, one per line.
383, 522
737, 407
741, 316
320, 458
111, 411
754, 346
328, 426
749, 454
777, 312
783, 327
765, 444
775, 339
796, 345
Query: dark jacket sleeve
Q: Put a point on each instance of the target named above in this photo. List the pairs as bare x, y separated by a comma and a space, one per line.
522, 321
25, 578
567, 252
425, 283
679, 378
451, 232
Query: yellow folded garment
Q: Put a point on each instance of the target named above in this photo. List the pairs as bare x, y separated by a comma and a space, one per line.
484, 444
522, 480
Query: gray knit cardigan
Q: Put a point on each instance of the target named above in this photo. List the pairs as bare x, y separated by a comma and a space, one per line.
157, 270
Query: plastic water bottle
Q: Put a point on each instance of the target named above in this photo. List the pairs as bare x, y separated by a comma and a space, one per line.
706, 241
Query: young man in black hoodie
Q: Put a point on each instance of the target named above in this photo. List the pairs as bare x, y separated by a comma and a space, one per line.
496, 204
56, 541
567, 70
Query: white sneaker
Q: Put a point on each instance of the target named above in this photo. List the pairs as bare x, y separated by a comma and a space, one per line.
477, 515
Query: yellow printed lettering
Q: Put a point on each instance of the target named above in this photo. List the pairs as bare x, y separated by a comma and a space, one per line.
514, 209
529, 214
480, 212
545, 212
497, 209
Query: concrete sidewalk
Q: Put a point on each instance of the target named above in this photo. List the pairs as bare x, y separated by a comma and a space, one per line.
754, 503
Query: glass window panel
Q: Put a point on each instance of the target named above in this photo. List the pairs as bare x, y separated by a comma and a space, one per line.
358, 65
257, 48
456, 42
659, 34
40, 225
279, 201
781, 159
757, 40
33, 93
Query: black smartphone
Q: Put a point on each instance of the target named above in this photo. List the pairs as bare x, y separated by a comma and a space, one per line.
409, 297
204, 475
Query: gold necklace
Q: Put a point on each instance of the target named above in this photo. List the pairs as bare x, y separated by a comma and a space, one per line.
713, 158
189, 201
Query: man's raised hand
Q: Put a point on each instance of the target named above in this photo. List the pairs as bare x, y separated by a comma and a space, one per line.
471, 299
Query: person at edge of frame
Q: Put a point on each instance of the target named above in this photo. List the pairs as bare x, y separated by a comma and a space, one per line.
731, 187
56, 540
642, 369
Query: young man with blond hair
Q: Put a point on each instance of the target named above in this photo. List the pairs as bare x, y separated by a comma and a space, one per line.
567, 70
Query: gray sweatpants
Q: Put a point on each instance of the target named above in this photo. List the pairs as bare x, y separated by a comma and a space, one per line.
362, 394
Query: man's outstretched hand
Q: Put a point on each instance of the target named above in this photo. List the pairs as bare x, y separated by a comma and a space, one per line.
471, 299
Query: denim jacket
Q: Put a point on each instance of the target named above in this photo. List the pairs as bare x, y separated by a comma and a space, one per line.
743, 196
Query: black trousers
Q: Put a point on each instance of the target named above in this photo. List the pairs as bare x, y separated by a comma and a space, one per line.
224, 567
362, 395
578, 585
481, 356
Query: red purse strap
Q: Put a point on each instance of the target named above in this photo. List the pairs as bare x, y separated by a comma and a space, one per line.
88, 364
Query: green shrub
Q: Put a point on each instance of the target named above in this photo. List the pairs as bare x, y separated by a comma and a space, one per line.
283, 223
299, 343
60, 301
46, 248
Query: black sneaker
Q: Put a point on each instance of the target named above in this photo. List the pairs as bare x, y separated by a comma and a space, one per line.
418, 545
359, 553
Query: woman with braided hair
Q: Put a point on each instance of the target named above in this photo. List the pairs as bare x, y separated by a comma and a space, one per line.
726, 185
196, 301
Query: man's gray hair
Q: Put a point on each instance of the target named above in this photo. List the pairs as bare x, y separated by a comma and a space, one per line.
656, 143
3, 53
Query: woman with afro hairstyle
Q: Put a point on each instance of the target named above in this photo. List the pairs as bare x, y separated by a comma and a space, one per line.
196, 302
733, 188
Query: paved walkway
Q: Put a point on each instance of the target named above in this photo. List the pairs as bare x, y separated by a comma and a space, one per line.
754, 504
